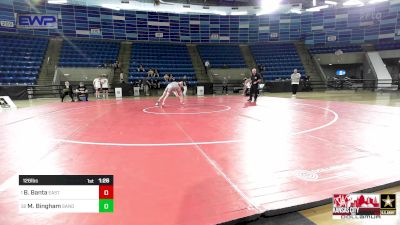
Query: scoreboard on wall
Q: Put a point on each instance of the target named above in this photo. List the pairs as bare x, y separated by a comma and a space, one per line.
66, 193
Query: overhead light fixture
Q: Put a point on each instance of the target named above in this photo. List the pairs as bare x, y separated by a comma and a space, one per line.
57, 1
353, 3
318, 8
222, 13
376, 1
269, 6
295, 10
330, 2
111, 6
241, 13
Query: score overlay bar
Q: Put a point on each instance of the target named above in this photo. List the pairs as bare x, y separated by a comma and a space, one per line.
66, 194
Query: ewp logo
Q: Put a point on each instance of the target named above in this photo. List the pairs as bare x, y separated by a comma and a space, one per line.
37, 21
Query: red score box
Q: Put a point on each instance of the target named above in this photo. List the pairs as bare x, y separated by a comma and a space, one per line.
106, 192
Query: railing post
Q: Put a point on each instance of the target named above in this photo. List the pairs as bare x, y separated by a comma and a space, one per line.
30, 92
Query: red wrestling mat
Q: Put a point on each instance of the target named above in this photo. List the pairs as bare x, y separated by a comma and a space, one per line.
212, 160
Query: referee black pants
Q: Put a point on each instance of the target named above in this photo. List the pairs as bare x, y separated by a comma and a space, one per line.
294, 88
224, 88
253, 92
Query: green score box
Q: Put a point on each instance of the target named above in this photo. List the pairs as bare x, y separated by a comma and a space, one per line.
106, 205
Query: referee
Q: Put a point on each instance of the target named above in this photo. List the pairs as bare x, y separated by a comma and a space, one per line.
295, 77
255, 80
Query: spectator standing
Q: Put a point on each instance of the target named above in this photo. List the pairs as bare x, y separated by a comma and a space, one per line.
121, 78
225, 85
146, 85
184, 84
97, 86
67, 90
295, 77
207, 66
104, 86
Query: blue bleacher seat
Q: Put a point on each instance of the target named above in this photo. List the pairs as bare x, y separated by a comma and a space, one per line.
166, 58
21, 58
387, 46
88, 53
333, 49
222, 56
279, 60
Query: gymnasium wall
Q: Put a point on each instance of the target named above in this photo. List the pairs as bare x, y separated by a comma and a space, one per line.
352, 25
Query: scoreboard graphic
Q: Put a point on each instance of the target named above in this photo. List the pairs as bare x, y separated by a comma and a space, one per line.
66, 193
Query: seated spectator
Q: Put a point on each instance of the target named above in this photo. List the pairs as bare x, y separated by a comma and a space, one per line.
137, 83
150, 73
171, 78
140, 68
153, 84
166, 77
156, 74
82, 91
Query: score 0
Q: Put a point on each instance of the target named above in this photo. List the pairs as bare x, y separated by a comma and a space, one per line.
106, 201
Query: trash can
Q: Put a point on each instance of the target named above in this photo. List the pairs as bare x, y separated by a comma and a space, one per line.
200, 90
118, 92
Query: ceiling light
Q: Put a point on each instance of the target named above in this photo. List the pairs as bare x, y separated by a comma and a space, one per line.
376, 1
295, 10
111, 6
318, 8
57, 1
353, 3
330, 2
268, 6
239, 13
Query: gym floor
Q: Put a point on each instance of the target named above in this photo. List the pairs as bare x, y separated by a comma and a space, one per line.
215, 159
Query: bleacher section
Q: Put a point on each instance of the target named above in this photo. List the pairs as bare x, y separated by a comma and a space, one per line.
88, 53
221, 56
387, 46
20, 59
166, 58
333, 49
279, 60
